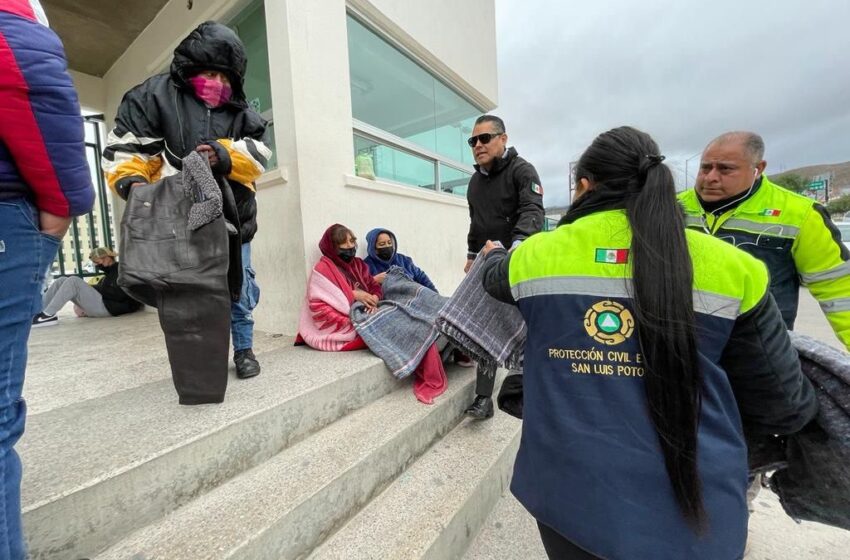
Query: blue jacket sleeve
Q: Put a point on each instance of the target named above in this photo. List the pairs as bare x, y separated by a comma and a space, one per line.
40, 120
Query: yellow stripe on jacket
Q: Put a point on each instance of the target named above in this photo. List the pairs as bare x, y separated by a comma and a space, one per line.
246, 168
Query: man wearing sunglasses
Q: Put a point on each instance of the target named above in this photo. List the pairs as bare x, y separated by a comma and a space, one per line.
505, 204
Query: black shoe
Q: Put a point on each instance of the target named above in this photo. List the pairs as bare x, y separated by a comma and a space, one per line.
481, 408
246, 364
42, 320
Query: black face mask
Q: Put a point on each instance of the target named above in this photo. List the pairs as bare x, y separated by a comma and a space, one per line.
347, 255
385, 253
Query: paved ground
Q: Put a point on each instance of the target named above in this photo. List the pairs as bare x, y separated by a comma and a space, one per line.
511, 534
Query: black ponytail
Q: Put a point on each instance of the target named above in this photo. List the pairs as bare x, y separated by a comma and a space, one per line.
628, 161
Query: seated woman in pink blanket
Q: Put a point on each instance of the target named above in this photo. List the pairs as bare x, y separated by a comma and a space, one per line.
338, 280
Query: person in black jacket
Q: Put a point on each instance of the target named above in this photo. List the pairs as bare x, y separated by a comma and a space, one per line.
505, 204
104, 299
199, 105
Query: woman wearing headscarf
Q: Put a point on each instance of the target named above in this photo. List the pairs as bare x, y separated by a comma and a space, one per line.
339, 280
650, 350
382, 249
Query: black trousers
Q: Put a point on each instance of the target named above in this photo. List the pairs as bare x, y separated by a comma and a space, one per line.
485, 379
196, 325
559, 548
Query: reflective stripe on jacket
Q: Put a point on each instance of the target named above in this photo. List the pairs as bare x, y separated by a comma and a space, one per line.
795, 238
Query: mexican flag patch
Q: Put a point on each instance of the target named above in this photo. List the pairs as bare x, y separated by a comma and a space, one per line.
612, 256
770, 212
536, 189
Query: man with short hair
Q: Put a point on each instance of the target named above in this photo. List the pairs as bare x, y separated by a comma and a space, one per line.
44, 182
506, 205
792, 234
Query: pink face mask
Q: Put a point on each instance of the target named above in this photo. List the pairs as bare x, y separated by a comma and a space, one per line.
212, 92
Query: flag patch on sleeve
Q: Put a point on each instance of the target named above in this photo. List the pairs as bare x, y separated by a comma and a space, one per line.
536, 189
612, 256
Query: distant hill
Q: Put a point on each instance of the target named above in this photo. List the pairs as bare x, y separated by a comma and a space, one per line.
840, 174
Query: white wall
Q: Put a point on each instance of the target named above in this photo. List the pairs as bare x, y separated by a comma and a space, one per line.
91, 91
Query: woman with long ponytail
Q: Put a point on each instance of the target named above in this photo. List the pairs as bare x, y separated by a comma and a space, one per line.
641, 342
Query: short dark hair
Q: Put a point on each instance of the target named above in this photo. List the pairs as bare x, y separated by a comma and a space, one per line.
498, 123
340, 233
753, 143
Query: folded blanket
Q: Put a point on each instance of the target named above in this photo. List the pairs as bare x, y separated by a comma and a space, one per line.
403, 328
483, 327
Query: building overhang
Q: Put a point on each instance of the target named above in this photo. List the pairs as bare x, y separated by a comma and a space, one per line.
97, 32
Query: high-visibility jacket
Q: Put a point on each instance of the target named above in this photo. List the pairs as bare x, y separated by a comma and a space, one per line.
795, 238
589, 464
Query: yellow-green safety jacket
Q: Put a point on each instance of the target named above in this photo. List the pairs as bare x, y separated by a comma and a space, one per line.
795, 238
589, 464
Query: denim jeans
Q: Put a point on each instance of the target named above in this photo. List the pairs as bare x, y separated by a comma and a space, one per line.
241, 320
25, 257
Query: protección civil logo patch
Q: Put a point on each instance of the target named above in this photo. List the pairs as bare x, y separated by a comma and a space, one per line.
608, 322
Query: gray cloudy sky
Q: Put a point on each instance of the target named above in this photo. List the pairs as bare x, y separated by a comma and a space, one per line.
683, 71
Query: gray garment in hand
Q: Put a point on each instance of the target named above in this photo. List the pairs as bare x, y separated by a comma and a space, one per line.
73, 288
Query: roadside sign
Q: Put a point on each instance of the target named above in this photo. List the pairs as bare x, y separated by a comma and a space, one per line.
817, 185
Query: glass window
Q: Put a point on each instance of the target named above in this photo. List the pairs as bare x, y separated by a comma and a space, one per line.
373, 159
454, 181
250, 25
393, 93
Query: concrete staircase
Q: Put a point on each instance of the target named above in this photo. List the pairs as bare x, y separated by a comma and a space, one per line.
323, 455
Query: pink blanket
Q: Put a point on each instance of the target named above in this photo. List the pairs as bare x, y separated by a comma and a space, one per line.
324, 323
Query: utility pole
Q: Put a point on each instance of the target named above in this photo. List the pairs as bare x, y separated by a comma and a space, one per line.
572, 180
687, 178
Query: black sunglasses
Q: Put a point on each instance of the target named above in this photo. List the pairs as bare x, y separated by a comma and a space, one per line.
483, 138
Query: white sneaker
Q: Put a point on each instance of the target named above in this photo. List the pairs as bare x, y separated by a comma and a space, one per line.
42, 320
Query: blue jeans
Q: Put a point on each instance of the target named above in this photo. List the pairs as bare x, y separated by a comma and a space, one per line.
25, 257
241, 320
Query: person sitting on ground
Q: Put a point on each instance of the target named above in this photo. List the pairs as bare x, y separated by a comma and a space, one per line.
104, 299
382, 248
338, 280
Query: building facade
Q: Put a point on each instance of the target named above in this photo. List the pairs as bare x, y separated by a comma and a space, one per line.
371, 102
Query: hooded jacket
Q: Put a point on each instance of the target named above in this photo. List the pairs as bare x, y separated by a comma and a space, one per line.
42, 152
378, 265
161, 121
505, 203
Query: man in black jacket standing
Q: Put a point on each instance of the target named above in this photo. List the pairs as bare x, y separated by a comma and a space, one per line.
505, 204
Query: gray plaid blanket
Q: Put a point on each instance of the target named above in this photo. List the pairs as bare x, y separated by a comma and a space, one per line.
403, 327
484, 328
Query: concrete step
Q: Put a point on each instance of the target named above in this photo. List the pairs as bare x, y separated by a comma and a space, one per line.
99, 469
436, 507
510, 533
284, 507
81, 359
